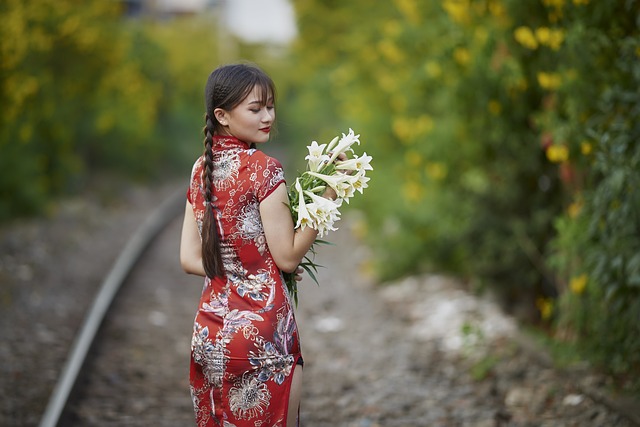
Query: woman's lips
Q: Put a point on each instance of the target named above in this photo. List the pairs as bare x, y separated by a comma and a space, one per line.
265, 130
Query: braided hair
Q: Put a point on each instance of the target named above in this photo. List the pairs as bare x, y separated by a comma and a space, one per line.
227, 86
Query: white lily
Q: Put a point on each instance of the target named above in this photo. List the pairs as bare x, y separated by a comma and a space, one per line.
356, 163
316, 157
344, 144
360, 183
345, 177
325, 212
332, 143
333, 181
304, 219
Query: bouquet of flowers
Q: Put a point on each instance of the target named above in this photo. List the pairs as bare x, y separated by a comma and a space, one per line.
327, 165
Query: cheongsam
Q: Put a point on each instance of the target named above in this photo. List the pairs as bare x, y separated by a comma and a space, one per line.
245, 343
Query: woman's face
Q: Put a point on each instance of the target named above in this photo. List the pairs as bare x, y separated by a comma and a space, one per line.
251, 120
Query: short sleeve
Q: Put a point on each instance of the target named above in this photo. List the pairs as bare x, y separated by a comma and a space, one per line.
194, 181
266, 176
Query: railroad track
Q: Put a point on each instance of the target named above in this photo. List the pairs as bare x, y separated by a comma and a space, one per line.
126, 262
136, 372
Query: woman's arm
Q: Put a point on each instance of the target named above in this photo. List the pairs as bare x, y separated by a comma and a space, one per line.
287, 246
191, 244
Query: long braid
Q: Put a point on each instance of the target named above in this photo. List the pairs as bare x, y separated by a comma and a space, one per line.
226, 87
211, 256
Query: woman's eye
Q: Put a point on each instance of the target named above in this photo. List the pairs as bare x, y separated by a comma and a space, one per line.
254, 110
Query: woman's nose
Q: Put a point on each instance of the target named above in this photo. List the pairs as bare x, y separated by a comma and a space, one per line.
268, 116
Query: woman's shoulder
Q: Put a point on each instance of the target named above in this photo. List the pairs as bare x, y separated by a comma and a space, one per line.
197, 165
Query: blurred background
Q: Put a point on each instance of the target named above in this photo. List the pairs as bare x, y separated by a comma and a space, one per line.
505, 133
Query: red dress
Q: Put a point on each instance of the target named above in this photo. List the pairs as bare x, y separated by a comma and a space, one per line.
245, 339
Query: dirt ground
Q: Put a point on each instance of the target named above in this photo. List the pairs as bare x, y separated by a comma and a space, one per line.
420, 352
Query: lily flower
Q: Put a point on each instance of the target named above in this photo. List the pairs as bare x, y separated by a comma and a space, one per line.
344, 144
325, 212
316, 156
304, 219
360, 183
332, 144
332, 181
356, 163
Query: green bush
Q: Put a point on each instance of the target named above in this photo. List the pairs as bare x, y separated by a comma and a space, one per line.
505, 143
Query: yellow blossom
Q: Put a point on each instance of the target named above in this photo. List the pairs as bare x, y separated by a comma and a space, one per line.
413, 191
525, 36
578, 284
545, 305
558, 153
462, 56
458, 10
586, 148
436, 170
550, 37
390, 51
409, 9
413, 158
433, 69
408, 129
495, 107
549, 81
480, 36
554, 3
496, 9
574, 209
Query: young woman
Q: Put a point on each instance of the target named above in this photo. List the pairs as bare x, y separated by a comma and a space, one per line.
246, 365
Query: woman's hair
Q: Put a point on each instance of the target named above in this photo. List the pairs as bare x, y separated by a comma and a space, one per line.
227, 86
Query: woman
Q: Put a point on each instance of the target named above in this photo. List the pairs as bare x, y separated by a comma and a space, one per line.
246, 365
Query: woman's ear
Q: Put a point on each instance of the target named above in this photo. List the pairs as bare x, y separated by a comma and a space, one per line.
221, 116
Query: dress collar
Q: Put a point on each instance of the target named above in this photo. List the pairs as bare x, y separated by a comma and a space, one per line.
226, 142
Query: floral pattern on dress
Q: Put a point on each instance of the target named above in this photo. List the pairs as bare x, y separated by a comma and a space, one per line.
245, 339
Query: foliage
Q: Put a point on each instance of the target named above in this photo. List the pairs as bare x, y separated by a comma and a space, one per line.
509, 133
82, 90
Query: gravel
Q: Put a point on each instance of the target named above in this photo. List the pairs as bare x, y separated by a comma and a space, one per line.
419, 352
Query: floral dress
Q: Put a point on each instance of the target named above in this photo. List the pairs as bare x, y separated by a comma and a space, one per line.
245, 339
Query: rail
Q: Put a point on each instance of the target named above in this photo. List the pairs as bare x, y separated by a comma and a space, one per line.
123, 265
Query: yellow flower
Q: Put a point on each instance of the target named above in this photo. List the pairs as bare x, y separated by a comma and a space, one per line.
586, 148
549, 81
525, 36
545, 305
495, 107
436, 170
433, 69
462, 56
496, 9
390, 51
410, 10
550, 37
578, 284
413, 191
413, 158
458, 10
480, 36
558, 153
574, 209
558, 4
